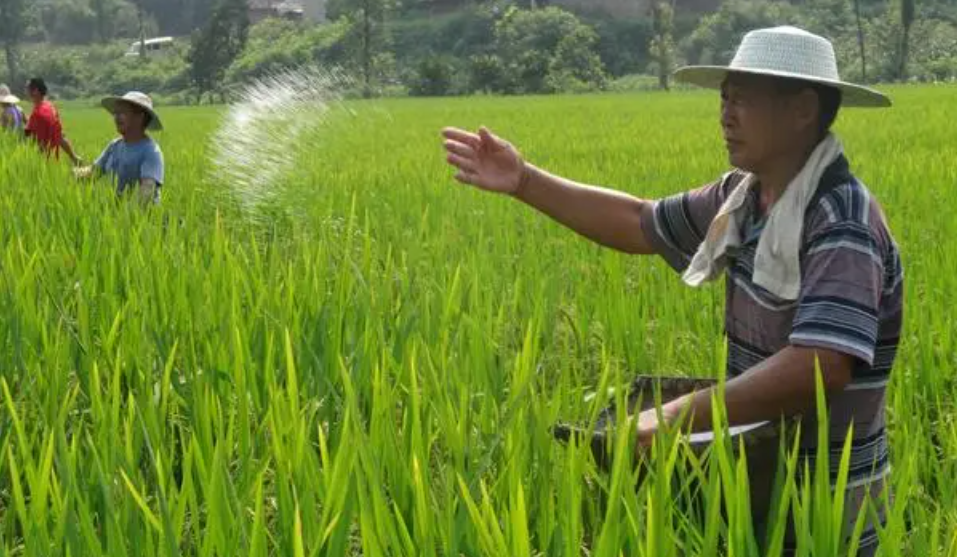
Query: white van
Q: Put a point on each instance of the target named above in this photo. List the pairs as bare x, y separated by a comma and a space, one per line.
157, 46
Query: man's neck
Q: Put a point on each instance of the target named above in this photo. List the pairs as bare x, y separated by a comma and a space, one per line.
134, 137
775, 178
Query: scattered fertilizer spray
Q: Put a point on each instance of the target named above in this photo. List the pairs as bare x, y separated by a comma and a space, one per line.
260, 140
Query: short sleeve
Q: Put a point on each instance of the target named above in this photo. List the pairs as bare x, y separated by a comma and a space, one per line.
103, 162
675, 226
152, 166
841, 283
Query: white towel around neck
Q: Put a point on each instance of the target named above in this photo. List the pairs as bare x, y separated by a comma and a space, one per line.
777, 266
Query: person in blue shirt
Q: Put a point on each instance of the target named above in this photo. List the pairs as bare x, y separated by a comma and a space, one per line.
133, 161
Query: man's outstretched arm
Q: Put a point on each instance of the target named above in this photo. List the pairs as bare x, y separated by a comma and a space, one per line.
68, 149
608, 217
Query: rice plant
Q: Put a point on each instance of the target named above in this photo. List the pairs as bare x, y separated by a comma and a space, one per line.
378, 371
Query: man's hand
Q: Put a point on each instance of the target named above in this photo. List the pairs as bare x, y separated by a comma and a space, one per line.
83, 172
647, 425
484, 160
649, 422
147, 191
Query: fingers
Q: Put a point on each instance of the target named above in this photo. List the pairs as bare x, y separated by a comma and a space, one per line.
461, 155
467, 178
486, 135
492, 141
460, 149
484, 139
462, 136
462, 163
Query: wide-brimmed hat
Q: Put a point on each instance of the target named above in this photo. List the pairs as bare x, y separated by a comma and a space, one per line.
786, 52
6, 97
141, 100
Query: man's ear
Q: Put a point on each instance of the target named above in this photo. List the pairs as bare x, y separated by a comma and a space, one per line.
807, 109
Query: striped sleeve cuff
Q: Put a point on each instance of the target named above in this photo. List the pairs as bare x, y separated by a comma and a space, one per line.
659, 235
837, 324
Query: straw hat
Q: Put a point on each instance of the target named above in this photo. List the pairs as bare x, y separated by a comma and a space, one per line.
786, 52
141, 100
6, 97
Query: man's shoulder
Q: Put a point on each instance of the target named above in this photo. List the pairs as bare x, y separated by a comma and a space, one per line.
154, 146
44, 112
47, 109
147, 147
850, 210
849, 201
113, 144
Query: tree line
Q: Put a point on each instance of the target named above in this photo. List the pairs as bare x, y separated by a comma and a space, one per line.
448, 47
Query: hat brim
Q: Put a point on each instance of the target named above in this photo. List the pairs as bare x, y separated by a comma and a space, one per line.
109, 103
852, 95
9, 99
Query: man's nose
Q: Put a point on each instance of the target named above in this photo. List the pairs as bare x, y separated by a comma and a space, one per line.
727, 115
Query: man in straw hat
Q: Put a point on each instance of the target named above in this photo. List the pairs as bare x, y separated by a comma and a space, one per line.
813, 273
44, 124
133, 160
11, 117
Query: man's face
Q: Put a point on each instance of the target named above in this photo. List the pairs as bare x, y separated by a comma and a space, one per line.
34, 93
128, 118
759, 123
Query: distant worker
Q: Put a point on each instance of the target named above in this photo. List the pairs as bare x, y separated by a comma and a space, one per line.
133, 160
11, 116
44, 124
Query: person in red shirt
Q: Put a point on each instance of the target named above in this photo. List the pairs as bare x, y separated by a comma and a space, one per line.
44, 125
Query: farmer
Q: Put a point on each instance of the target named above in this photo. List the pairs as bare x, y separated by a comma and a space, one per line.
44, 125
812, 271
11, 117
133, 160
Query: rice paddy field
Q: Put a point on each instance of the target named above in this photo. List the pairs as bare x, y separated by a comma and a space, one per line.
373, 365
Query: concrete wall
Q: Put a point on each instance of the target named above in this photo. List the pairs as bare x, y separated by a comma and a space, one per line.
314, 10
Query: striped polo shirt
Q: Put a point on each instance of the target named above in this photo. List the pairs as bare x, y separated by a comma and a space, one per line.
851, 301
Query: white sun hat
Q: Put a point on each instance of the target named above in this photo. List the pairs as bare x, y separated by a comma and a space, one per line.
6, 97
141, 100
786, 52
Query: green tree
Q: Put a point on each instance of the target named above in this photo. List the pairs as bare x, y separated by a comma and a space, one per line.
141, 26
860, 39
371, 41
486, 74
102, 12
662, 47
717, 36
219, 43
13, 22
177, 17
275, 45
623, 44
547, 50
433, 77
907, 13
